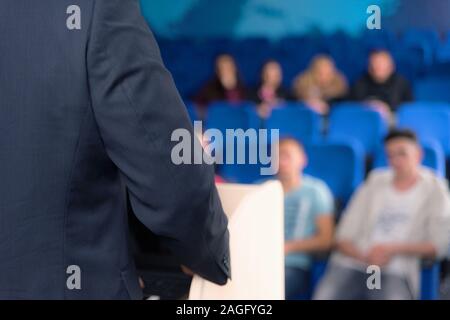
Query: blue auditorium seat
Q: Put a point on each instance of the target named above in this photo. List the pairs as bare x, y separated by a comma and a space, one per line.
411, 62
296, 121
339, 164
250, 55
430, 105
443, 52
248, 172
429, 284
426, 39
377, 39
421, 35
181, 56
415, 52
428, 124
349, 54
356, 121
433, 89
240, 173
295, 54
434, 157
224, 115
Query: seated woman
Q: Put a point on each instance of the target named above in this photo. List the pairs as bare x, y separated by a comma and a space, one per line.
270, 91
226, 85
320, 84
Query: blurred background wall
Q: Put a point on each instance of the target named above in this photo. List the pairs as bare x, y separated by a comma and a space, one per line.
280, 18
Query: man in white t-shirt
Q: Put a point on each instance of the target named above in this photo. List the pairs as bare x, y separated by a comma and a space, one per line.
398, 217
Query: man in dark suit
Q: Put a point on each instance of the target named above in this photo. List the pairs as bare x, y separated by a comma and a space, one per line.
87, 110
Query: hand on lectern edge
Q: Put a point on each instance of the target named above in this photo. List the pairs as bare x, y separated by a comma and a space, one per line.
141, 283
187, 271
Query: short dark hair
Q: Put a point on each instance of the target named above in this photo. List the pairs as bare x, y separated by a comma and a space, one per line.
376, 51
291, 140
401, 133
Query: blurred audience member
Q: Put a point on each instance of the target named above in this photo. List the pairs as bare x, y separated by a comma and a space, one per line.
320, 84
399, 216
270, 92
226, 85
309, 220
382, 88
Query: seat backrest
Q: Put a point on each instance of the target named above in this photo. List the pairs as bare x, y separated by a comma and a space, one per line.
249, 171
358, 122
223, 115
296, 121
376, 39
242, 173
430, 105
421, 36
428, 124
427, 40
433, 89
429, 282
192, 111
340, 165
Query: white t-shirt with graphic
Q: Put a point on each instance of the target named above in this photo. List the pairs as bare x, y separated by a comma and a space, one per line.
393, 221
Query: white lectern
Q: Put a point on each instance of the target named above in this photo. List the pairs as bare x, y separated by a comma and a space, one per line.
256, 245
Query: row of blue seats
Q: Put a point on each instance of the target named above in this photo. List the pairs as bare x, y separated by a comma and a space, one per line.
349, 121
433, 89
340, 164
191, 61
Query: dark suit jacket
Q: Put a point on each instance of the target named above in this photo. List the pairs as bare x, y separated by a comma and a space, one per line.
87, 110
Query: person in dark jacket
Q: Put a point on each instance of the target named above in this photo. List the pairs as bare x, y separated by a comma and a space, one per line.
382, 87
87, 115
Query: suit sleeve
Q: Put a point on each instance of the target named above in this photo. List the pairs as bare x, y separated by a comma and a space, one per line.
137, 108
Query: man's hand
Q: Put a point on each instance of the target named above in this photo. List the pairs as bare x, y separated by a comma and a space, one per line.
187, 271
141, 283
380, 255
381, 107
287, 248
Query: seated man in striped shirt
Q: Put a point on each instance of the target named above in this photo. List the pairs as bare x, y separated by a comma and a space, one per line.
309, 219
